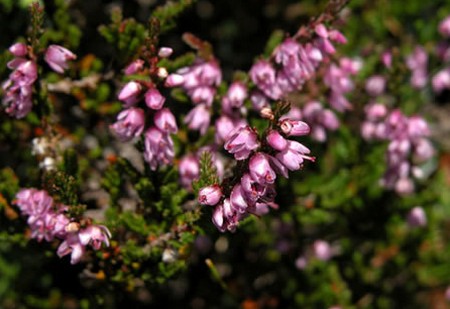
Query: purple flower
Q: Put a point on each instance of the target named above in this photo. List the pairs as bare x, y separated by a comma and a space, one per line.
441, 80
234, 98
129, 93
130, 123
226, 126
260, 169
19, 50
210, 195
386, 59
34, 203
73, 246
95, 235
165, 121
57, 57
375, 85
198, 118
158, 148
417, 63
294, 155
154, 99
189, 170
444, 27
134, 67
263, 75
242, 143
319, 119
238, 199
174, 80
276, 141
287, 51
294, 127
165, 52
417, 217
322, 250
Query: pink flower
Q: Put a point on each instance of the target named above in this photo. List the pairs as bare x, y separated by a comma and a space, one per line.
95, 235
34, 203
165, 121
294, 155
134, 67
417, 217
130, 123
73, 246
322, 250
375, 85
260, 169
158, 148
19, 50
276, 141
129, 93
154, 99
189, 170
57, 57
242, 143
198, 118
444, 27
210, 195
165, 52
294, 127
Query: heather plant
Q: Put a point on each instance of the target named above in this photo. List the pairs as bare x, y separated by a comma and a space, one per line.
212, 155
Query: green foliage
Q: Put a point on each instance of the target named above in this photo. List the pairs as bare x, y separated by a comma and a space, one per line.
168, 13
125, 35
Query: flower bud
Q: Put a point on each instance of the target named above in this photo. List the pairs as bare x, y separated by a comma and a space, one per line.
165, 52
57, 56
276, 141
129, 93
210, 195
134, 67
294, 127
18, 49
417, 217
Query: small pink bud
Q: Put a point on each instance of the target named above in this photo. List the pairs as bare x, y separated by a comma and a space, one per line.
417, 217
444, 27
174, 80
134, 67
129, 93
210, 195
294, 127
165, 52
18, 50
322, 250
276, 141
321, 30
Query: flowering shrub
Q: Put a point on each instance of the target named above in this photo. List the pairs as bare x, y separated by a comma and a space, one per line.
154, 163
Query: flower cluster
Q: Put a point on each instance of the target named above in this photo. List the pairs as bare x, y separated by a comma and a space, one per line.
417, 63
320, 120
48, 220
408, 147
259, 160
199, 81
159, 149
18, 87
441, 80
338, 78
297, 63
